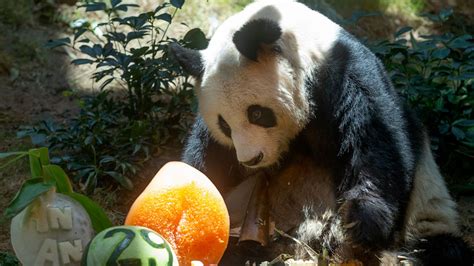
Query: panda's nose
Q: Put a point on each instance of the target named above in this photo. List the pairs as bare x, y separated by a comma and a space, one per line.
255, 160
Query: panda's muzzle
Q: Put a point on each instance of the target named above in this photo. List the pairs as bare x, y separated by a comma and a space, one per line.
257, 159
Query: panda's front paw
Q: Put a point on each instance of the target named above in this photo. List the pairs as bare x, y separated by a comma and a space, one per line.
319, 232
368, 222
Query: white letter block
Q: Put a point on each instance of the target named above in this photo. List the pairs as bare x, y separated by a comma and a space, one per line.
68, 250
48, 253
60, 218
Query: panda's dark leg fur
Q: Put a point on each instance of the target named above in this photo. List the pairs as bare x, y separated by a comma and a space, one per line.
373, 146
368, 219
443, 249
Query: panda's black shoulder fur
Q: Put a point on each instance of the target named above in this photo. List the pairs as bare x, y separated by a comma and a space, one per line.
360, 111
360, 127
353, 90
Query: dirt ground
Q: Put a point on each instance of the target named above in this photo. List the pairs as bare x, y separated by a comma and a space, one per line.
37, 84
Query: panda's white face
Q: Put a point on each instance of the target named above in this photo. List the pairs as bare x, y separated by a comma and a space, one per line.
250, 88
255, 107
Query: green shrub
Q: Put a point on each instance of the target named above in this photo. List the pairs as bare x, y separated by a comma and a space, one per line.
436, 74
134, 54
112, 136
8, 259
100, 142
16, 12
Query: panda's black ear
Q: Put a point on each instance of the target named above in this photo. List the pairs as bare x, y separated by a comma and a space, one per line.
189, 59
254, 33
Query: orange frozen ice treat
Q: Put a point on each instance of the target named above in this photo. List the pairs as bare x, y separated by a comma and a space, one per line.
183, 205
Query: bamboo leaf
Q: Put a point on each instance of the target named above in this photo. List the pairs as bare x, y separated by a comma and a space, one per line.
99, 219
458, 133
94, 6
177, 3
56, 173
29, 191
81, 61
123, 180
464, 123
402, 31
35, 164
44, 155
115, 2
13, 160
4, 155
196, 39
56, 43
165, 16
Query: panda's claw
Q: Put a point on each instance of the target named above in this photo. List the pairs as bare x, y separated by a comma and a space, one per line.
367, 224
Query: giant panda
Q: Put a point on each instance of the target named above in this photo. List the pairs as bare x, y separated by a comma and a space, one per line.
288, 95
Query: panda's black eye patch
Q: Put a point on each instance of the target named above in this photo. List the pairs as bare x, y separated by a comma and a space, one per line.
261, 116
225, 128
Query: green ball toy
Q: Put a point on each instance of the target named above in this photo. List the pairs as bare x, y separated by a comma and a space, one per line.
129, 245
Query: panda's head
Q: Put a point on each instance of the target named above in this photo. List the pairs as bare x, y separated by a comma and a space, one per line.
250, 85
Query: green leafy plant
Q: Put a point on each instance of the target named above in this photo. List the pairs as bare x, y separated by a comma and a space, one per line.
112, 136
9, 259
133, 53
101, 141
16, 12
45, 177
436, 75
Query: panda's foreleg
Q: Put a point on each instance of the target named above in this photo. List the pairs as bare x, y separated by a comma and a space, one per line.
377, 180
375, 155
442, 249
367, 217
374, 191
321, 233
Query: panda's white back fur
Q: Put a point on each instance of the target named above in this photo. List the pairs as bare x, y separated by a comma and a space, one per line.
431, 209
